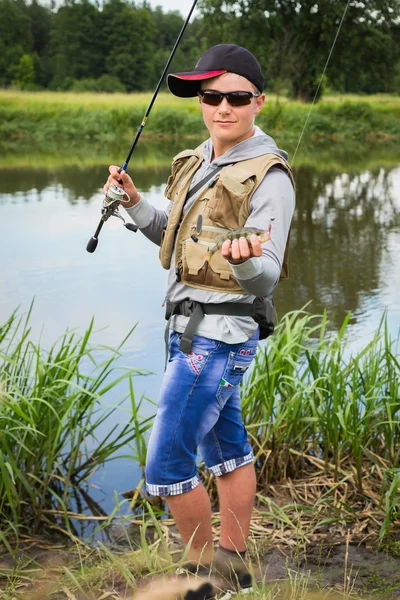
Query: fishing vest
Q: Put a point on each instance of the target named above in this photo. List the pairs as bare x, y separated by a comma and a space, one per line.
224, 205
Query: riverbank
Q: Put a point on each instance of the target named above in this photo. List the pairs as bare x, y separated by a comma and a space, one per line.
44, 117
141, 556
324, 428
155, 155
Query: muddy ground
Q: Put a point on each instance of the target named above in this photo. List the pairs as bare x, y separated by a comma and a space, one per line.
340, 566
344, 567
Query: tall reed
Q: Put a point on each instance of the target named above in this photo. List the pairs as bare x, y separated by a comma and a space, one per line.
307, 393
309, 401
52, 405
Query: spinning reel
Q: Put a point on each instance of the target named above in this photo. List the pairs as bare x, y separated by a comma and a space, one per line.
115, 196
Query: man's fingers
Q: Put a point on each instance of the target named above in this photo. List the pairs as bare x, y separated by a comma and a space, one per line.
235, 250
255, 246
113, 170
244, 248
241, 249
226, 249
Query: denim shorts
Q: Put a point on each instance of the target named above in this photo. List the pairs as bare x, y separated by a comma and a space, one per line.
199, 408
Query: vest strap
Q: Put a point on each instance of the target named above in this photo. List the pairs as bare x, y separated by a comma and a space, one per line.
203, 182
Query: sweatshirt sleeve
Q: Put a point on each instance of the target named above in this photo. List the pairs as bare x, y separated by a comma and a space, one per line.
273, 202
151, 221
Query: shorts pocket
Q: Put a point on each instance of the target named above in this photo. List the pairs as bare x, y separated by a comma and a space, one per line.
236, 367
196, 359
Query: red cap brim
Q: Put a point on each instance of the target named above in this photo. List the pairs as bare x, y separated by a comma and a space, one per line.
177, 86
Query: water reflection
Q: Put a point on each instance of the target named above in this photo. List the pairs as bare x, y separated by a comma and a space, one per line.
74, 183
339, 236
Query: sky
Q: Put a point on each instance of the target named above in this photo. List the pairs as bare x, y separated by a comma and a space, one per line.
182, 5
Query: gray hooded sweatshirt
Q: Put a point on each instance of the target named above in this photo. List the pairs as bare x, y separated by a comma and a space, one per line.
273, 199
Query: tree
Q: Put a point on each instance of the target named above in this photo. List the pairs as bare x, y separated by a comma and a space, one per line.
293, 38
167, 28
24, 72
41, 26
128, 32
15, 39
75, 42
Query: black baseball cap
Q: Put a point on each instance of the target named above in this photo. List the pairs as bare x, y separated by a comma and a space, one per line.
223, 58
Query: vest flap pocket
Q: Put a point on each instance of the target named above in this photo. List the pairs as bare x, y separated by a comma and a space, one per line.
220, 266
194, 257
230, 196
235, 185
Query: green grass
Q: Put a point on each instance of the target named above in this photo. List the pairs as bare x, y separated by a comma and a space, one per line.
46, 116
52, 406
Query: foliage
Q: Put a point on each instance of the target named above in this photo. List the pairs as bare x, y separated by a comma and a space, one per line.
67, 116
308, 402
24, 72
80, 40
15, 38
106, 83
52, 408
293, 40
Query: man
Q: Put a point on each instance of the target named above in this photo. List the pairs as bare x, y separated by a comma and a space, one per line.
237, 178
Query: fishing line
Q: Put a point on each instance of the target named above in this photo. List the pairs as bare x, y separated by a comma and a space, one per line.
115, 195
320, 81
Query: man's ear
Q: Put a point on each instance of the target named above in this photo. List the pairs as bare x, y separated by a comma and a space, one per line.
260, 102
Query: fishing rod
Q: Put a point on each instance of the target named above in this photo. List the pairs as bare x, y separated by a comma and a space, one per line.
115, 194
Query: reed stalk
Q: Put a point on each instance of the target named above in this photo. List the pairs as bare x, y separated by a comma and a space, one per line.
52, 406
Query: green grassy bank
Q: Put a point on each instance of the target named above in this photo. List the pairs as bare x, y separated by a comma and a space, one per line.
43, 117
313, 413
324, 428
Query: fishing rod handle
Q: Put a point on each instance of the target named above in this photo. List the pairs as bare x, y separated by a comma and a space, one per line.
92, 243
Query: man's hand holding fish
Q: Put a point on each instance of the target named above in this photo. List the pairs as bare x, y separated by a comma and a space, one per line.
238, 251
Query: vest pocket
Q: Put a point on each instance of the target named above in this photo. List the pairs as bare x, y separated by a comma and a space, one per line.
230, 195
196, 270
218, 270
194, 263
179, 168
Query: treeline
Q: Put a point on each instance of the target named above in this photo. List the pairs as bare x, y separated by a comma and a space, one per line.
118, 45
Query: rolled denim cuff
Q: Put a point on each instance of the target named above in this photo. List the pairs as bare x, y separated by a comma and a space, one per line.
174, 489
230, 465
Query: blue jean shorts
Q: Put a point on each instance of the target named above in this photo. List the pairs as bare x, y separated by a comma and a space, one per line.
199, 408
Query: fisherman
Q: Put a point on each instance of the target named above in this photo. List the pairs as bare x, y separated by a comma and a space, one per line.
218, 309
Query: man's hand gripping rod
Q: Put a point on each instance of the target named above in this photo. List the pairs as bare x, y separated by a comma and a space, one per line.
116, 194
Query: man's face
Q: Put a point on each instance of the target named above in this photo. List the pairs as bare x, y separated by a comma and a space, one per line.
229, 125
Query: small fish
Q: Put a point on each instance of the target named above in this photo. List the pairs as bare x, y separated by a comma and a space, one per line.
264, 235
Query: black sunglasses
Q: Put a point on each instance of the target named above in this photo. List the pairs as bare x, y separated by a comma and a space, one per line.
214, 98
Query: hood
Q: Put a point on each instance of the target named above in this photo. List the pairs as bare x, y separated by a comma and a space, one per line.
260, 143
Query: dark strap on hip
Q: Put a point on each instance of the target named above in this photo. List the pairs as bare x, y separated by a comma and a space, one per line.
196, 311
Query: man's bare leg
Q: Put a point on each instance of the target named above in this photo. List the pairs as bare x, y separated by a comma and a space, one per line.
236, 491
191, 511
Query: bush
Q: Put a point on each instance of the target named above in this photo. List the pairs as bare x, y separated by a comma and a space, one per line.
106, 83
